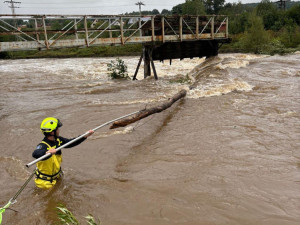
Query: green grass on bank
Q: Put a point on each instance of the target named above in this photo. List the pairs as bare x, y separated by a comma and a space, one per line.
265, 43
95, 51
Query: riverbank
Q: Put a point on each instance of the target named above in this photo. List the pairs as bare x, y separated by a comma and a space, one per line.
272, 47
236, 46
95, 51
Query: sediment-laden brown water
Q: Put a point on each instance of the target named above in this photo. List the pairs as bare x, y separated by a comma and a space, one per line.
226, 154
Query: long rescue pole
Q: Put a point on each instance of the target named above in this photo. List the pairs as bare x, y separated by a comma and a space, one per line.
81, 136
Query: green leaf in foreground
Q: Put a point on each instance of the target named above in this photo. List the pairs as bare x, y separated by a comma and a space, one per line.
66, 216
91, 220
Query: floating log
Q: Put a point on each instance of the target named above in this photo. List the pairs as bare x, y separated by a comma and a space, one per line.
147, 112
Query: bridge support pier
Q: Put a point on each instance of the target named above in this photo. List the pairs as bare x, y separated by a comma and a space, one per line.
175, 50
148, 63
147, 68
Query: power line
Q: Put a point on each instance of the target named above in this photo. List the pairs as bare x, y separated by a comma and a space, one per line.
67, 7
67, 3
13, 12
80, 3
12, 6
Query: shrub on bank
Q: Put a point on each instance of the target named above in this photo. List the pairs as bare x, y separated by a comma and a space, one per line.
118, 69
255, 38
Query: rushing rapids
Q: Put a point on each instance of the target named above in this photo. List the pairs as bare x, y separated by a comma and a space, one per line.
226, 154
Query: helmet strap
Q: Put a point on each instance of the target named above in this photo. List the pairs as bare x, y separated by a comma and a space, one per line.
55, 136
47, 135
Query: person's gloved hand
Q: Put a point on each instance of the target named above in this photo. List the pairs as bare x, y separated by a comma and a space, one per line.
51, 151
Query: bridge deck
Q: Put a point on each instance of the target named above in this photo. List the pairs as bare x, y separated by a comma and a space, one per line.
23, 32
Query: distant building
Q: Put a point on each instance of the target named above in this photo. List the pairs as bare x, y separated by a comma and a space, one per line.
136, 20
94, 23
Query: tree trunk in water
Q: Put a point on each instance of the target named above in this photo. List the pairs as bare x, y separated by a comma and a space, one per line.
147, 112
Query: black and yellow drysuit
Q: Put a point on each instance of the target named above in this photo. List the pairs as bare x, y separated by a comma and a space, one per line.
49, 169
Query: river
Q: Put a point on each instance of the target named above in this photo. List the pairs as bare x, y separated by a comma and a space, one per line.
228, 153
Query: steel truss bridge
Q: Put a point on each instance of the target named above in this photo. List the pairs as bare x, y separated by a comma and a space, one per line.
61, 31
163, 37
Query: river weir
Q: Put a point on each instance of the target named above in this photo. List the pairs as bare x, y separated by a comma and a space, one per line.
228, 153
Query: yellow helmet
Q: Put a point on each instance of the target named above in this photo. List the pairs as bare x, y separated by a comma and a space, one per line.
50, 124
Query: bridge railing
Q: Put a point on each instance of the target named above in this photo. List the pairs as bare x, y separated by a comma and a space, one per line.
22, 32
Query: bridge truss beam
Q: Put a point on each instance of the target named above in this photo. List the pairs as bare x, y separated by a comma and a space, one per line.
62, 31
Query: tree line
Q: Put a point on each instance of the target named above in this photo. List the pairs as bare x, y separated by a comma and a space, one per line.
264, 27
261, 27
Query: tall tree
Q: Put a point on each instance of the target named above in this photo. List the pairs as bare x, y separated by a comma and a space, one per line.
294, 13
154, 12
256, 37
238, 16
193, 7
269, 13
213, 6
177, 9
166, 12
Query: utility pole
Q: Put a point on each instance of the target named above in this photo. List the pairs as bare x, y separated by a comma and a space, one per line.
12, 6
13, 12
140, 4
140, 22
281, 4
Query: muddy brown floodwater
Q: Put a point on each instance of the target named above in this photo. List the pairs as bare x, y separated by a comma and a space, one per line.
228, 153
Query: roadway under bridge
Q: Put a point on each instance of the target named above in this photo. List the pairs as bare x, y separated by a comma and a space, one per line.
163, 37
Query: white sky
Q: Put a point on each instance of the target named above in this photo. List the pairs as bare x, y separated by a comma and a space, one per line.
90, 7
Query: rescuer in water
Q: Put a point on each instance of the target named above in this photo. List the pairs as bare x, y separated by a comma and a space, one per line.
49, 170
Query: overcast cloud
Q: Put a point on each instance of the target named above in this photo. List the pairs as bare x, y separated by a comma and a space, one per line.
89, 7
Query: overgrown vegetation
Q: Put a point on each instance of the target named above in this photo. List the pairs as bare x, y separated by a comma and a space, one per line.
255, 37
117, 69
259, 28
263, 28
95, 51
65, 216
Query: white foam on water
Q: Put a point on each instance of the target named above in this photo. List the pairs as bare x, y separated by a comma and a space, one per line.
237, 103
234, 64
289, 114
78, 68
238, 60
126, 130
130, 102
95, 84
89, 68
219, 89
242, 56
164, 69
